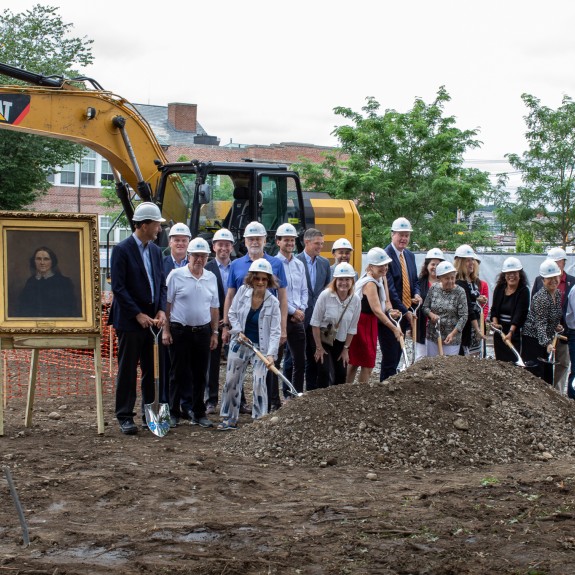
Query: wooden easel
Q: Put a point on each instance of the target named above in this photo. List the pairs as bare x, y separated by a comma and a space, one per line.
36, 343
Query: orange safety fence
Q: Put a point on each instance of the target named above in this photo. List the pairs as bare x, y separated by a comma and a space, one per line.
62, 372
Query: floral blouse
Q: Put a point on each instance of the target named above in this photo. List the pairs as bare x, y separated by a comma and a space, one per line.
451, 307
543, 317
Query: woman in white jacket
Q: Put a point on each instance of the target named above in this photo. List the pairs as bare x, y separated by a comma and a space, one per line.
255, 313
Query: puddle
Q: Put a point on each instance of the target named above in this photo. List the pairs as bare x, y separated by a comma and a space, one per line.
200, 536
89, 554
56, 506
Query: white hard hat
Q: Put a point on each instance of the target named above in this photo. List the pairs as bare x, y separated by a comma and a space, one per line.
377, 257
341, 244
286, 230
434, 254
147, 211
198, 246
343, 270
180, 229
401, 225
549, 269
223, 234
511, 265
465, 251
556, 254
261, 265
444, 268
254, 229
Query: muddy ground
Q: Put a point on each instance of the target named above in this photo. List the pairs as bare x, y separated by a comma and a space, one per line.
456, 466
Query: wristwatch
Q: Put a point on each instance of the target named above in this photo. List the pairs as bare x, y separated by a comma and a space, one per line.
215, 331
346, 347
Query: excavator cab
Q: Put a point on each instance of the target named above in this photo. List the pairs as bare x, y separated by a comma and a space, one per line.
240, 192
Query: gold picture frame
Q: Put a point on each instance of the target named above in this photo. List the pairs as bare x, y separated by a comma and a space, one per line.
50, 274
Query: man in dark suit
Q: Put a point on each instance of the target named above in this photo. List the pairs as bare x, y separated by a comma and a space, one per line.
179, 239
566, 282
222, 245
403, 287
139, 288
317, 274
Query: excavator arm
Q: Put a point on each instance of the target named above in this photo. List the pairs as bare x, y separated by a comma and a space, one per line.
99, 120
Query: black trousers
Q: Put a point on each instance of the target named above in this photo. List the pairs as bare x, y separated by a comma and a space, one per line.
331, 371
213, 383
296, 347
311, 369
390, 350
134, 347
190, 357
531, 350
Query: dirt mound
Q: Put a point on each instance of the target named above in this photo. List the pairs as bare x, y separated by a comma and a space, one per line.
440, 413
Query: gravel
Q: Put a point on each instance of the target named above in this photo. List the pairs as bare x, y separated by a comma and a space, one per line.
441, 413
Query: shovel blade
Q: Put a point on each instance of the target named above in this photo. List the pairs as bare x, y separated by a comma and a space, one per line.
549, 361
158, 418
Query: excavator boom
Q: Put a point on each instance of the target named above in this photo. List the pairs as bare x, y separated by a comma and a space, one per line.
99, 120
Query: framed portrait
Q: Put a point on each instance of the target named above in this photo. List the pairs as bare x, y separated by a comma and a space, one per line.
50, 273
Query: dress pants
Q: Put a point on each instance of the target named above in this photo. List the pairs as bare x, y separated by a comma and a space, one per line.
390, 350
191, 354
296, 347
311, 368
331, 371
134, 347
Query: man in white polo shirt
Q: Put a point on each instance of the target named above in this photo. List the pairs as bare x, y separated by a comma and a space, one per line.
192, 329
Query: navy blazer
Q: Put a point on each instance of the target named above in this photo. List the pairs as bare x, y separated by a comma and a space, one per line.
395, 281
322, 278
168, 265
212, 266
131, 288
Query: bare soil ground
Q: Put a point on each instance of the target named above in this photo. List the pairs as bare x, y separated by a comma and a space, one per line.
456, 466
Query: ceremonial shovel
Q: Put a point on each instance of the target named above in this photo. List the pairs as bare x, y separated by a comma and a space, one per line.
157, 414
248, 343
397, 322
519, 361
439, 340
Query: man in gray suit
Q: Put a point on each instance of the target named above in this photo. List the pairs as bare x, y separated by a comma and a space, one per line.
317, 274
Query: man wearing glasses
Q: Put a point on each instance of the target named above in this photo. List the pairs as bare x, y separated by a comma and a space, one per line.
192, 330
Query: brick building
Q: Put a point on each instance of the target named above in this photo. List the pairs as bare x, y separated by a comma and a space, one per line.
77, 187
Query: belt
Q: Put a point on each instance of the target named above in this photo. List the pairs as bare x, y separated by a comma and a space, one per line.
192, 328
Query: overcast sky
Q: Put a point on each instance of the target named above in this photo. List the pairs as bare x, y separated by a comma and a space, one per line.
265, 72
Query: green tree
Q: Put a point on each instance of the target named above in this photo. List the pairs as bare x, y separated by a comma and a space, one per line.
406, 164
544, 203
38, 41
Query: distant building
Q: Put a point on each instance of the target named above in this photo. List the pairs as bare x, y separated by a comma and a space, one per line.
77, 187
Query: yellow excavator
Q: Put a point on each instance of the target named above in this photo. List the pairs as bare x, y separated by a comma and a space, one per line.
80, 110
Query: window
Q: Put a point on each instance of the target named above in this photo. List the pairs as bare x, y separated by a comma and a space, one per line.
88, 171
107, 172
105, 223
68, 174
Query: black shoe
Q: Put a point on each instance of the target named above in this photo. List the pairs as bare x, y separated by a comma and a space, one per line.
128, 427
144, 423
245, 408
202, 421
275, 407
189, 415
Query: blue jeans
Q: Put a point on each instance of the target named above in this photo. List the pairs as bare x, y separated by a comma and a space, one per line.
571, 343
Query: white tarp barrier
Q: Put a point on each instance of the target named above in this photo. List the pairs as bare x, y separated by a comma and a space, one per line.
491, 265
